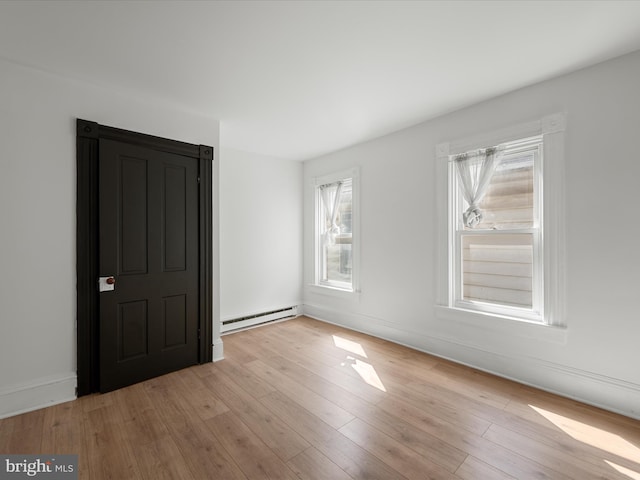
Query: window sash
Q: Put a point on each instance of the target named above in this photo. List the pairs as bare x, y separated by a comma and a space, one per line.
535, 313
340, 245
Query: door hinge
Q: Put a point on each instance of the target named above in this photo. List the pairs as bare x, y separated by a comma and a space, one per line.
198, 334
198, 179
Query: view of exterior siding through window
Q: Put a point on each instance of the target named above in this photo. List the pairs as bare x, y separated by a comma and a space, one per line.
336, 255
497, 255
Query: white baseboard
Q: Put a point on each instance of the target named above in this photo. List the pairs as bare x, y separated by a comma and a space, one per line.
274, 307
258, 318
601, 391
218, 349
40, 393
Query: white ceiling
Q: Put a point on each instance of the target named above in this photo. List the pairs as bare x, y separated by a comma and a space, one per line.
296, 79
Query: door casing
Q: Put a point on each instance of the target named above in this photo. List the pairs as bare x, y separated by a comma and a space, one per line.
88, 136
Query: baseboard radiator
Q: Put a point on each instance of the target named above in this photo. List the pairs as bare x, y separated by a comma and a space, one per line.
258, 319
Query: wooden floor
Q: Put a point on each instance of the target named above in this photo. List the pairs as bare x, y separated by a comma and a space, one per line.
307, 400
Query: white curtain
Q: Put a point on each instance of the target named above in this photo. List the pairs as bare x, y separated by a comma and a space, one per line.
475, 170
330, 201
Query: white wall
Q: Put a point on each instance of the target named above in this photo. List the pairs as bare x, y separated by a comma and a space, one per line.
38, 223
260, 233
596, 358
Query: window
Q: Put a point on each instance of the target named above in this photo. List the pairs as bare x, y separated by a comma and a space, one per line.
501, 224
335, 246
497, 229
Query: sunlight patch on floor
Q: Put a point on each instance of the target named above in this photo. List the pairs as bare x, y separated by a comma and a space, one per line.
623, 470
364, 369
368, 374
596, 437
349, 346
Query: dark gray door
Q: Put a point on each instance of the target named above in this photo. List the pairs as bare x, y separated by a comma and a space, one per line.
148, 244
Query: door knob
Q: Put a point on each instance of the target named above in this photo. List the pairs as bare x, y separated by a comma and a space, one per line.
106, 284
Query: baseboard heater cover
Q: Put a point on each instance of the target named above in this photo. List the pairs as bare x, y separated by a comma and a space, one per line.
259, 319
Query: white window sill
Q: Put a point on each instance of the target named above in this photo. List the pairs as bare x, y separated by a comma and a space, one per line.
332, 291
504, 326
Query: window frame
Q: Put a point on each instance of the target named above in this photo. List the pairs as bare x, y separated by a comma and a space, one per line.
328, 285
550, 284
536, 313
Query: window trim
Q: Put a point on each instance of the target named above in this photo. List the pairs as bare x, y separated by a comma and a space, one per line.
552, 129
338, 288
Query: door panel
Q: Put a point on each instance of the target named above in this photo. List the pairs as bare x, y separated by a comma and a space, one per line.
149, 241
175, 321
133, 326
133, 214
174, 227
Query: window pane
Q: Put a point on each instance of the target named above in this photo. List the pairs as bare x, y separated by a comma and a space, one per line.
336, 258
338, 263
508, 202
498, 269
345, 207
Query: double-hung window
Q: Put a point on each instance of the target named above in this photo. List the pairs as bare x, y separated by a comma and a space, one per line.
496, 211
335, 233
501, 235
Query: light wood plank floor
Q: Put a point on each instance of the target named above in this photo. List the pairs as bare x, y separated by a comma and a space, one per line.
306, 400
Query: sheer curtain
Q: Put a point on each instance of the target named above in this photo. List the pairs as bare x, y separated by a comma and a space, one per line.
475, 170
330, 200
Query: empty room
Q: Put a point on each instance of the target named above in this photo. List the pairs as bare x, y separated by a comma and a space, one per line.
319, 240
